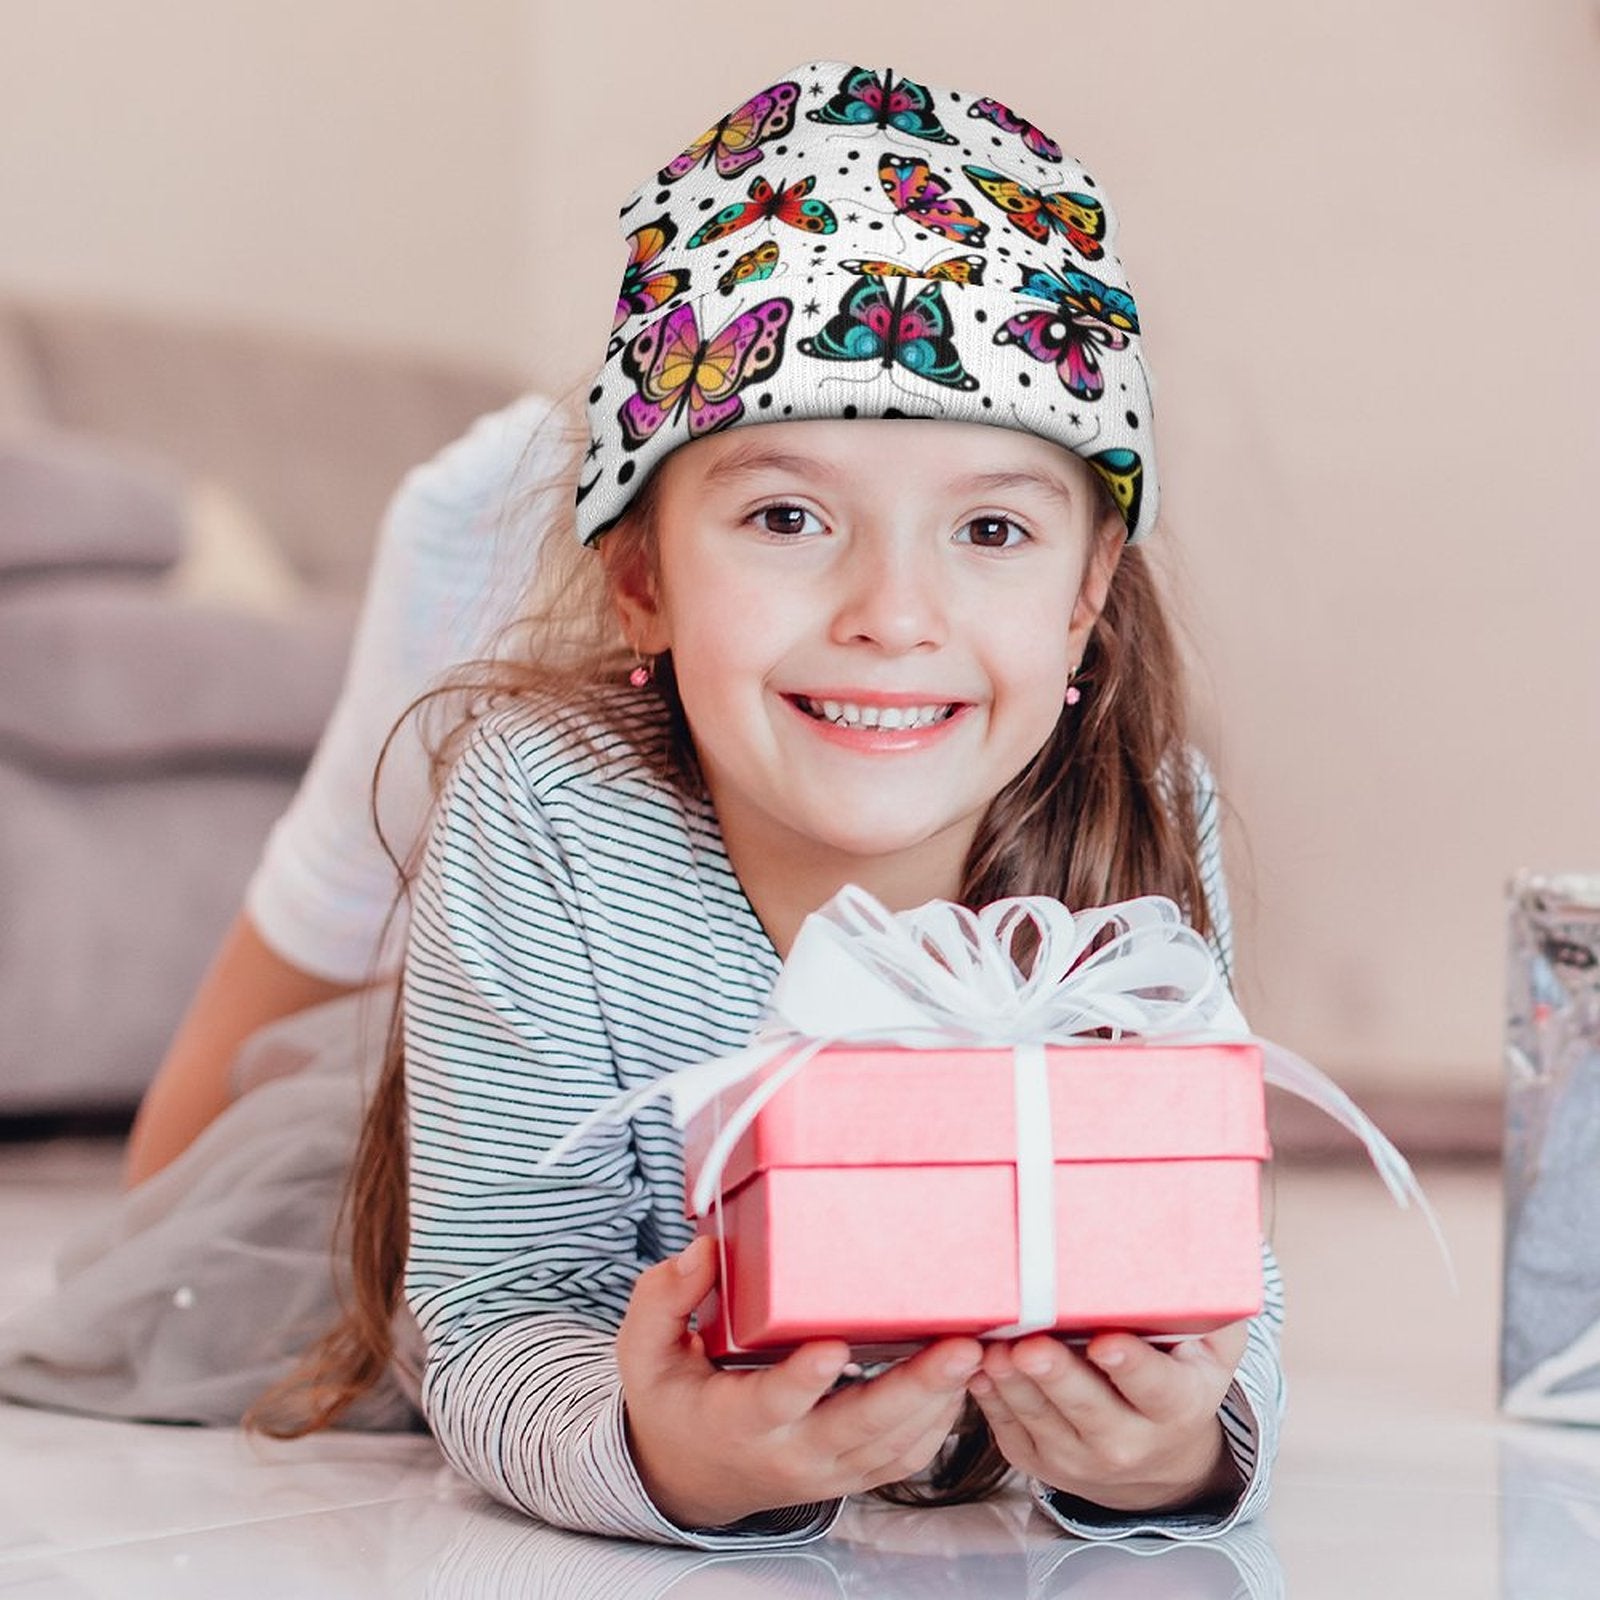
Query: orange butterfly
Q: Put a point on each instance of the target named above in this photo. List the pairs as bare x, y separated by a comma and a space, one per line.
953, 269
1080, 218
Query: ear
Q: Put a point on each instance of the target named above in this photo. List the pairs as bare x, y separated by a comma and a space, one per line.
635, 595
1106, 545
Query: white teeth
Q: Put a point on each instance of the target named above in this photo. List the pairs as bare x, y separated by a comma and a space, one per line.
847, 714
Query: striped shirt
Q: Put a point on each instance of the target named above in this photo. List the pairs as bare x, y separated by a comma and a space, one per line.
577, 931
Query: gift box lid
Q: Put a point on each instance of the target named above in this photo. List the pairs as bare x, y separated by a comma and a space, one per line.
854, 1106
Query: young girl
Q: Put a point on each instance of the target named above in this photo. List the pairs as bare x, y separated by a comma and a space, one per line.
894, 636
900, 634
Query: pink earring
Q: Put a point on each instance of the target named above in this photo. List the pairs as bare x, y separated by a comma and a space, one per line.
642, 673
1074, 694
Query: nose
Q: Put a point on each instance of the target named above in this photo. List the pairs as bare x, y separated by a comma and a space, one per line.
890, 594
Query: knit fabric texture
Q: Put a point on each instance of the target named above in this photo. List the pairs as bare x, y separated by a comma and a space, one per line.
850, 243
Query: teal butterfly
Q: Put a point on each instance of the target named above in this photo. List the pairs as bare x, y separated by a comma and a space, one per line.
867, 99
872, 324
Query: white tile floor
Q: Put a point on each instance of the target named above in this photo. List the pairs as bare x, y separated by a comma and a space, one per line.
1397, 1479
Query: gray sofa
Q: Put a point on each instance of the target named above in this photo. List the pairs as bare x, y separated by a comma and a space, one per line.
186, 515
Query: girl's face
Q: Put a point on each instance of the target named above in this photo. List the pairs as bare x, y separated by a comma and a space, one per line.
872, 625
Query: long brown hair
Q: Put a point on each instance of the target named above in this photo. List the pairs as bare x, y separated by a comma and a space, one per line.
1105, 810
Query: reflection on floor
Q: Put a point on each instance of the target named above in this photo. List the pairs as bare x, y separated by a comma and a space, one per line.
1396, 1479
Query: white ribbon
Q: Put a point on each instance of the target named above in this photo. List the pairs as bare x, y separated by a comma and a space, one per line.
944, 975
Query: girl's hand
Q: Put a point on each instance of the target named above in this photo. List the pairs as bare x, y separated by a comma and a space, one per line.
1126, 1425
713, 1447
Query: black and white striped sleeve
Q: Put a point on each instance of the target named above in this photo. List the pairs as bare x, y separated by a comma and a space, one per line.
519, 1277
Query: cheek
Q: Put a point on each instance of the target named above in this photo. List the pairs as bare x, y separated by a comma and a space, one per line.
725, 650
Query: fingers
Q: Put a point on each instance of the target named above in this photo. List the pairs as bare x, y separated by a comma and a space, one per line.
782, 1395
654, 1335
1165, 1385
1015, 1442
1046, 1385
895, 1424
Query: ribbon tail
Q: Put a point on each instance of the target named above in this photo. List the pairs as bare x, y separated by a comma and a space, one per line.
689, 1089
1285, 1070
708, 1183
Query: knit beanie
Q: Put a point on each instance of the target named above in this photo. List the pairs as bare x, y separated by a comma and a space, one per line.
851, 243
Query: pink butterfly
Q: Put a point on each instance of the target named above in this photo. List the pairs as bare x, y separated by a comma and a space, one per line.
678, 371
1004, 117
735, 142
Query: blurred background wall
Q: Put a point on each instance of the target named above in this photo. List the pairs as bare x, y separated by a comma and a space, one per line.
1365, 240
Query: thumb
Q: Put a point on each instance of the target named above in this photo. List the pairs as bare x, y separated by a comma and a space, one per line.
656, 1328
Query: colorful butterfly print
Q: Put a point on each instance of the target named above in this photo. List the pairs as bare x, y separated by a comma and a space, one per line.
735, 143
788, 205
873, 324
1083, 295
865, 99
643, 290
1123, 473
1087, 316
1041, 144
953, 269
751, 267
918, 193
1079, 218
679, 372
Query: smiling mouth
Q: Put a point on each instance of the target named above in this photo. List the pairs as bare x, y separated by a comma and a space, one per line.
847, 714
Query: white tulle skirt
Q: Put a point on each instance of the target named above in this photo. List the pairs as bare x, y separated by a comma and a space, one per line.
202, 1287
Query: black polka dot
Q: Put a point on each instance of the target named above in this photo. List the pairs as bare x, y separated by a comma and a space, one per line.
980, 316
787, 410
594, 395
849, 411
844, 172
855, 155
893, 412
1131, 418
1024, 379
706, 205
875, 227
1088, 180
626, 471
663, 198
986, 403
1003, 250
780, 149
764, 402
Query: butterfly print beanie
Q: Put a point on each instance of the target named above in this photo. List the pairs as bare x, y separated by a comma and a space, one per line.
852, 243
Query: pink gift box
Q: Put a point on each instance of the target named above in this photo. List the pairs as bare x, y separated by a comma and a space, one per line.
874, 1198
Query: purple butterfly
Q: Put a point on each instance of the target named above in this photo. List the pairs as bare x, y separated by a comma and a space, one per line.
679, 371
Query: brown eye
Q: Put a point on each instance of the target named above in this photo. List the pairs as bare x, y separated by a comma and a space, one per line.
784, 521
993, 533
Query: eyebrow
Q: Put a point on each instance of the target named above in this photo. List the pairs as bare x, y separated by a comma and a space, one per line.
756, 458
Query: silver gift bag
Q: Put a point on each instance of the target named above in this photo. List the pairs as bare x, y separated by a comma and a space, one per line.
1550, 1332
